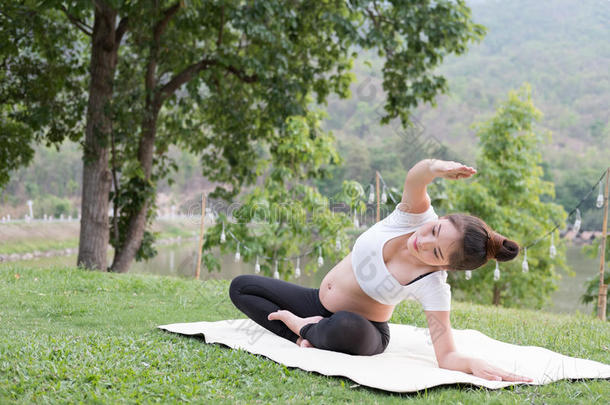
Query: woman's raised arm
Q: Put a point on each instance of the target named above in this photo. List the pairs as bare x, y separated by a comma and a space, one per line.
415, 197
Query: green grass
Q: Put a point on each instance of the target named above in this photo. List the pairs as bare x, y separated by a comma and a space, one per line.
71, 335
37, 245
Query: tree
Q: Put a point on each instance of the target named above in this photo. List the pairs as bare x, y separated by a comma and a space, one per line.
242, 69
506, 193
46, 70
218, 78
283, 216
106, 36
41, 98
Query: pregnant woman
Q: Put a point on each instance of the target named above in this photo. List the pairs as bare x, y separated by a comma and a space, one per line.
404, 256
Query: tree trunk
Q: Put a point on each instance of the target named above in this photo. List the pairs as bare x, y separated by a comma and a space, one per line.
496, 299
125, 253
94, 230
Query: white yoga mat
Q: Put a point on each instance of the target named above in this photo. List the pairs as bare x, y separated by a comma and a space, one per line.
407, 365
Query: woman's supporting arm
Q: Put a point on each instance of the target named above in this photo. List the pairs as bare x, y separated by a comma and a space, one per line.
448, 357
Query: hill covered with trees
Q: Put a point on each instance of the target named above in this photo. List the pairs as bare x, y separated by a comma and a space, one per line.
561, 48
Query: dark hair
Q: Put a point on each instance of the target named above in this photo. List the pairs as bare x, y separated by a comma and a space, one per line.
479, 244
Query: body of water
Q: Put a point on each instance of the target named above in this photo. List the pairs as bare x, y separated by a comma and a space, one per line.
567, 297
180, 260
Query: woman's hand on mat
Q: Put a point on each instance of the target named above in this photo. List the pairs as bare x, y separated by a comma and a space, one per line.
481, 368
451, 170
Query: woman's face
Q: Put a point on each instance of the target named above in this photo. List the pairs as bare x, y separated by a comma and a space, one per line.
434, 242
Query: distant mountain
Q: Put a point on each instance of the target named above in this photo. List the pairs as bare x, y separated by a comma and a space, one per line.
561, 47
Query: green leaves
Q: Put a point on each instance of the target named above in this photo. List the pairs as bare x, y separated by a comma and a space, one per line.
41, 81
284, 217
15, 149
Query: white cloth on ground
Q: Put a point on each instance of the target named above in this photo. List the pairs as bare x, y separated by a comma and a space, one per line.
407, 365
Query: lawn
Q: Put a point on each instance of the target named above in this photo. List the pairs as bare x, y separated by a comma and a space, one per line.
72, 335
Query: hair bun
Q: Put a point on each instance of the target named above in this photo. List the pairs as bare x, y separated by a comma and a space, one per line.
501, 248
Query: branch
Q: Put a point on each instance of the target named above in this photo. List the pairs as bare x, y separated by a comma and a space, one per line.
152, 63
115, 204
76, 22
372, 16
222, 26
186, 75
167, 15
375, 19
121, 29
375, 5
241, 75
100, 4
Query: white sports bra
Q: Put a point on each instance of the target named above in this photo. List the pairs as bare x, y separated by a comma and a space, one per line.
431, 289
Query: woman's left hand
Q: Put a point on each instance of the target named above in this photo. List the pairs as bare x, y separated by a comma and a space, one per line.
451, 170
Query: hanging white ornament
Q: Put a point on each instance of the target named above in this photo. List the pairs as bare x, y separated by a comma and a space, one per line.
600, 197
468, 274
257, 266
371, 195
297, 270
223, 237
276, 274
525, 266
337, 244
320, 258
577, 221
356, 222
552, 249
237, 254
384, 196
497, 272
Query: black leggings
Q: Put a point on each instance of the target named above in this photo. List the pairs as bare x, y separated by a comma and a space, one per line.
342, 331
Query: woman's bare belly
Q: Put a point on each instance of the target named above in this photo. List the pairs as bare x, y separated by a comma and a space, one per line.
340, 291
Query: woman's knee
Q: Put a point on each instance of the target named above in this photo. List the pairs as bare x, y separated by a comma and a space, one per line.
344, 326
236, 286
352, 333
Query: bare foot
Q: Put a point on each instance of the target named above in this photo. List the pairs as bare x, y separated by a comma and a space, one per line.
303, 342
293, 322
